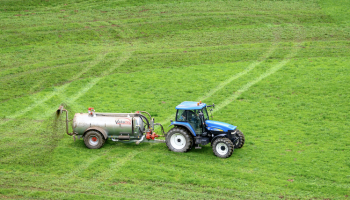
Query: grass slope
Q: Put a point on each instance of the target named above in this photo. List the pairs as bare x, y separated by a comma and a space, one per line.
279, 70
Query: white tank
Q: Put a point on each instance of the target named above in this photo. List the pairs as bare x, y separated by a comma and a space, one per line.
113, 124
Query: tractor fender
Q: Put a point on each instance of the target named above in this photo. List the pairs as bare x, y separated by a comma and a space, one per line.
185, 125
218, 136
99, 129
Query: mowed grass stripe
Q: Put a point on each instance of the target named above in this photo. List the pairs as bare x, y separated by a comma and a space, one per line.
14, 75
152, 11
122, 191
123, 187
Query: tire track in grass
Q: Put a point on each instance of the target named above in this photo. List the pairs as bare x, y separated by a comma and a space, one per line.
95, 157
82, 167
119, 163
261, 77
123, 58
84, 185
234, 77
61, 90
113, 167
244, 72
89, 161
57, 91
89, 186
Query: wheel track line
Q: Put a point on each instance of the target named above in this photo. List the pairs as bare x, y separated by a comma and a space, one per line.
96, 61
266, 74
234, 77
45, 186
114, 167
123, 58
81, 168
87, 163
43, 68
57, 91
118, 164
62, 189
244, 72
36, 103
90, 161
62, 89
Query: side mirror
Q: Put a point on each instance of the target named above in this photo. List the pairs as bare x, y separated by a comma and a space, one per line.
213, 105
211, 110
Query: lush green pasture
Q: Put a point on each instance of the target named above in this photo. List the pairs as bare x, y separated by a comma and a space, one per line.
279, 70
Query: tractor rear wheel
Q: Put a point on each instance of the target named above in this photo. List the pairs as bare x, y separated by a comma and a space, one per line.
179, 140
94, 140
240, 142
223, 147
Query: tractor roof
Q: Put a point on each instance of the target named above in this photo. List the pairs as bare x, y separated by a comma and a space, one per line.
190, 105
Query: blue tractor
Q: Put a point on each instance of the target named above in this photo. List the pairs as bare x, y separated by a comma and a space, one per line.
192, 127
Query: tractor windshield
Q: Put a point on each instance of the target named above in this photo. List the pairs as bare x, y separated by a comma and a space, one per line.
187, 115
205, 113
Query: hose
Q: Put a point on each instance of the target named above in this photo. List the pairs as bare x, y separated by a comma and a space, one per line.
140, 130
161, 127
143, 117
147, 114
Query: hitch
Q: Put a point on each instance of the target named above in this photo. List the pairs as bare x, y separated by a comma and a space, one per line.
151, 135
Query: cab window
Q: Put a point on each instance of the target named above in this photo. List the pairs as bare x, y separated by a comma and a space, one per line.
181, 116
205, 113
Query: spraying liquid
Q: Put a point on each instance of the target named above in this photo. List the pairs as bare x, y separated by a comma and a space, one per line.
58, 124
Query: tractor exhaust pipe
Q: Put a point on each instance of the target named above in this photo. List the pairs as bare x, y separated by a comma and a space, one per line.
58, 113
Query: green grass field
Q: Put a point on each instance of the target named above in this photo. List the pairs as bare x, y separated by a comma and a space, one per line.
279, 70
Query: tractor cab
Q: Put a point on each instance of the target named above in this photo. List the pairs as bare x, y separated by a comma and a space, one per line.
192, 126
193, 115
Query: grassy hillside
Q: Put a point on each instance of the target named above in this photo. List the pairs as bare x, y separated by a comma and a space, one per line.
279, 70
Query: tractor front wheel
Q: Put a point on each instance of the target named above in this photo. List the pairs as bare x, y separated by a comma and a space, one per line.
223, 147
179, 140
240, 142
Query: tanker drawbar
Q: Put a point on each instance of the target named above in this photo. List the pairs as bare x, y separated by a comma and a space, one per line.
96, 128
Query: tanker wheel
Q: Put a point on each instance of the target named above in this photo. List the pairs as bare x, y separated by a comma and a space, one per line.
179, 140
94, 140
223, 147
240, 141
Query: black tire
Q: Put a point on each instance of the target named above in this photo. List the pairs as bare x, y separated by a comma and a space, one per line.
241, 140
223, 147
94, 140
179, 140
